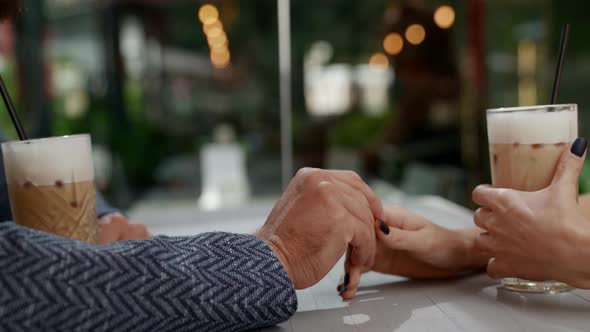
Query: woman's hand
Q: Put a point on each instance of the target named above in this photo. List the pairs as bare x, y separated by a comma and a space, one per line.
116, 227
411, 246
540, 235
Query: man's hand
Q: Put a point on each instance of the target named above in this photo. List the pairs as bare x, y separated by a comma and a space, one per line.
115, 227
411, 246
318, 217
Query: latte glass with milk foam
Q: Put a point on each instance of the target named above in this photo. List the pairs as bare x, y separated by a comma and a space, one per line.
525, 146
51, 185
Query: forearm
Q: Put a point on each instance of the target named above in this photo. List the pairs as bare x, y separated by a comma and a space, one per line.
214, 281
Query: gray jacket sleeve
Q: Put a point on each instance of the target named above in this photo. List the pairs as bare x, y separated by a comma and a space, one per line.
208, 282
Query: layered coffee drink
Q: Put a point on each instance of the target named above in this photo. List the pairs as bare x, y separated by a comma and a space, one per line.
51, 185
525, 146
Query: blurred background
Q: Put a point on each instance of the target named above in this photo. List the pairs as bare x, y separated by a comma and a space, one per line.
183, 98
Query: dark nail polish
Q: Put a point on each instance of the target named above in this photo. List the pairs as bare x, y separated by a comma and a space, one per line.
579, 146
383, 227
342, 290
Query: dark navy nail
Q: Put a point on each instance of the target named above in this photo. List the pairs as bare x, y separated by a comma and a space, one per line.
383, 227
579, 146
343, 288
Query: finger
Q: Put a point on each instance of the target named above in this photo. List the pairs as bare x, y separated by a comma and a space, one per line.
399, 239
111, 228
363, 244
354, 279
569, 167
492, 198
399, 217
484, 218
498, 269
360, 207
485, 244
362, 253
135, 232
357, 182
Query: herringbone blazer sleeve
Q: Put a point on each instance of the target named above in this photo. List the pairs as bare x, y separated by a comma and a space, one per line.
208, 282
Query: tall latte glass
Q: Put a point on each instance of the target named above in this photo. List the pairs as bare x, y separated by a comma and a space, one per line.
525, 146
51, 185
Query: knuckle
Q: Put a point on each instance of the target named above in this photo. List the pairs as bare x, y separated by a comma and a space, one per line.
476, 193
303, 171
314, 177
354, 176
324, 191
507, 200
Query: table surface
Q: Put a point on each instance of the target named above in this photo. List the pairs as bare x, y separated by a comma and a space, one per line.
390, 303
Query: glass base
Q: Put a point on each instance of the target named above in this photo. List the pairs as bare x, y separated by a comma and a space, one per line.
546, 287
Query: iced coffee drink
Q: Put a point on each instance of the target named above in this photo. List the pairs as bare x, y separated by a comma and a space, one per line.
51, 185
525, 146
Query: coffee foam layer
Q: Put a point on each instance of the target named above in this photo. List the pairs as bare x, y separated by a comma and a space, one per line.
46, 161
532, 127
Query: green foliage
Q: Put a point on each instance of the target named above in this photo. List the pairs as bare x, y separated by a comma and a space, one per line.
584, 182
10, 80
358, 130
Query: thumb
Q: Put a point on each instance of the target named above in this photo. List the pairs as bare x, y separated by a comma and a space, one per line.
398, 239
570, 165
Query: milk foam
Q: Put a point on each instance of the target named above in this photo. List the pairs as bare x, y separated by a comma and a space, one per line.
45, 161
531, 127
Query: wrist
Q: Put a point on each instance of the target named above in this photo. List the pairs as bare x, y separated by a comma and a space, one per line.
278, 252
470, 257
576, 249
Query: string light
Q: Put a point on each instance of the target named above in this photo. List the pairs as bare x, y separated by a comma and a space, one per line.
444, 16
208, 14
415, 34
217, 42
212, 26
393, 43
378, 61
216, 36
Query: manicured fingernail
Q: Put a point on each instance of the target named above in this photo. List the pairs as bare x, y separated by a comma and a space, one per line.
383, 227
579, 146
343, 288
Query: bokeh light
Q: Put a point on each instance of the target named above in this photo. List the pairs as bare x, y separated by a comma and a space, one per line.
214, 32
378, 61
208, 14
220, 58
393, 43
218, 41
415, 34
444, 16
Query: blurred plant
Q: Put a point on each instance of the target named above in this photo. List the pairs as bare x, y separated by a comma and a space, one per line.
359, 130
584, 182
10, 80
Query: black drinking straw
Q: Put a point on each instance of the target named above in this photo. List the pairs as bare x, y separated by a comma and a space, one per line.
10, 108
565, 31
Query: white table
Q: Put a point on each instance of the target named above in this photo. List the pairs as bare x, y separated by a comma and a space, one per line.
389, 303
